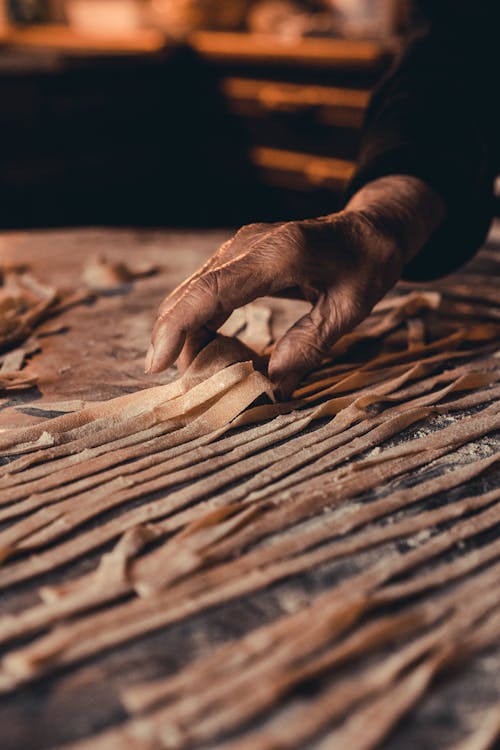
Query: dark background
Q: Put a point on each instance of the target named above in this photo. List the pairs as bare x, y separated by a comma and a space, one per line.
169, 138
218, 127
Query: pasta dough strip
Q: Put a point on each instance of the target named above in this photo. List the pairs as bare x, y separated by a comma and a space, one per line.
70, 642
42, 615
185, 722
146, 513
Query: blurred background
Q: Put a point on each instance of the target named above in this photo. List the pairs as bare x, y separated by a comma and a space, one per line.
184, 112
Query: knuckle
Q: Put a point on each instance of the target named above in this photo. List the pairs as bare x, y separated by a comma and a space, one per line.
251, 228
348, 306
297, 232
206, 285
165, 304
292, 239
162, 316
317, 346
162, 310
221, 251
279, 252
205, 292
294, 231
307, 347
234, 245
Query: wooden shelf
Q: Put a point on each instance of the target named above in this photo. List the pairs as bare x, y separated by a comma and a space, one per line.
67, 39
343, 107
362, 56
291, 169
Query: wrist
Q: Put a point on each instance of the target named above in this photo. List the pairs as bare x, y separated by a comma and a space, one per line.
403, 212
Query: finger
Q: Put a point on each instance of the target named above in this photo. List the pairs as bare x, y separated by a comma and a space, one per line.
244, 238
181, 288
211, 296
197, 341
303, 347
193, 346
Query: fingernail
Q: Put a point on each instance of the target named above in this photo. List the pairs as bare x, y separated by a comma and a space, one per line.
149, 359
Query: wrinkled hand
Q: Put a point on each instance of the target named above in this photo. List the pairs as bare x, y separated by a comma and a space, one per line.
325, 261
342, 264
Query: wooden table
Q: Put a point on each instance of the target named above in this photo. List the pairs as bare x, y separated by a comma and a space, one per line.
95, 352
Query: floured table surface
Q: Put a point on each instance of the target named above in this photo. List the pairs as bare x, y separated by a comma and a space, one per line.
324, 578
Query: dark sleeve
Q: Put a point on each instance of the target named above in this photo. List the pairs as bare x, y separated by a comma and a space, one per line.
435, 117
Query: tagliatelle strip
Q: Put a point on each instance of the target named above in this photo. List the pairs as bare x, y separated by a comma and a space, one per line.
416, 333
487, 734
52, 488
137, 415
148, 575
84, 590
210, 363
406, 307
378, 719
13, 381
345, 694
258, 644
272, 654
274, 659
214, 421
89, 540
335, 702
480, 379
253, 415
69, 641
255, 387
40, 486
337, 526
235, 323
110, 494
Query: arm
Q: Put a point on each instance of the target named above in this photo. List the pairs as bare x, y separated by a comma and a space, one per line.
435, 117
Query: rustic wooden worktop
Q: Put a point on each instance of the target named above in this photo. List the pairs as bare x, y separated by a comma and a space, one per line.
94, 352
101, 354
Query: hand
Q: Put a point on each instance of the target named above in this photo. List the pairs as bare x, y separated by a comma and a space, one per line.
342, 264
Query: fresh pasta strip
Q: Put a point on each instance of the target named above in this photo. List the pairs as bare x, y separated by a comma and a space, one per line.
90, 540
151, 613
83, 590
196, 714
210, 364
486, 735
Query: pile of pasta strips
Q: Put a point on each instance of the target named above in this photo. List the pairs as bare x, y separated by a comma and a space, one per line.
221, 479
26, 303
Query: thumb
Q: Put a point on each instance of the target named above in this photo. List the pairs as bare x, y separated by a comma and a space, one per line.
303, 347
